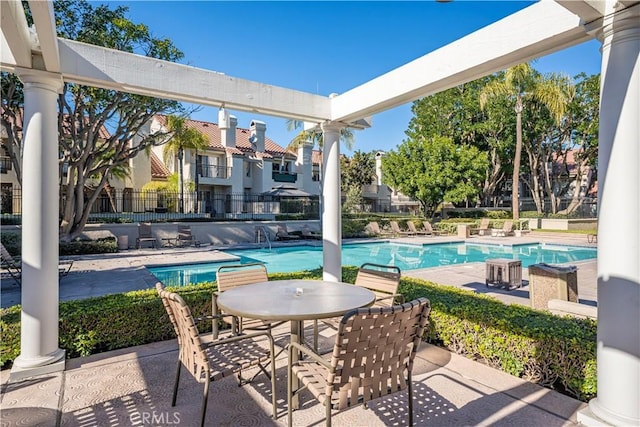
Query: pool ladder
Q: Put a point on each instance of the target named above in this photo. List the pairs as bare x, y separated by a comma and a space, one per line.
262, 235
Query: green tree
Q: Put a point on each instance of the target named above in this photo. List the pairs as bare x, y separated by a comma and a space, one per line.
355, 173
433, 170
100, 130
455, 113
522, 84
181, 138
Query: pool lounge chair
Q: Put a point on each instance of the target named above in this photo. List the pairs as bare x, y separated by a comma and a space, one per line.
14, 267
308, 234
374, 229
484, 228
283, 234
429, 230
412, 228
506, 230
398, 231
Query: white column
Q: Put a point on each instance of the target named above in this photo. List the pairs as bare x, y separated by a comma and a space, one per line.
331, 204
618, 400
39, 352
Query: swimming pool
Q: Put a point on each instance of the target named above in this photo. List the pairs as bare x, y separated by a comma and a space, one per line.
407, 257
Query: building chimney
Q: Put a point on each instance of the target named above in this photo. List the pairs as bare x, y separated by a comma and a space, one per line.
258, 129
227, 124
378, 156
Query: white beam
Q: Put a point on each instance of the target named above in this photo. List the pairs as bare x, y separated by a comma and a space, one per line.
588, 10
15, 34
112, 69
539, 29
44, 20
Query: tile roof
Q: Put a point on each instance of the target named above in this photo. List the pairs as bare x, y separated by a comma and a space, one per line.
158, 169
212, 132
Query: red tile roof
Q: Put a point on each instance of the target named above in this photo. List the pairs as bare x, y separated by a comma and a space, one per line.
212, 132
158, 169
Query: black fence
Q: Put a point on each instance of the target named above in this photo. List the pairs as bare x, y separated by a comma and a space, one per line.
116, 205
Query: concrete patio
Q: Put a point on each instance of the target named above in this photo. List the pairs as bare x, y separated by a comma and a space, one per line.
133, 386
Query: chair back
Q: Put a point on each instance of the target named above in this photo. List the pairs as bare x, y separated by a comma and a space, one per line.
507, 226
144, 230
374, 227
395, 227
6, 257
232, 276
184, 232
191, 352
412, 227
427, 227
484, 224
374, 352
383, 280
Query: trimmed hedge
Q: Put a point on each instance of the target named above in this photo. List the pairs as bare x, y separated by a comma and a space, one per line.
556, 352
13, 243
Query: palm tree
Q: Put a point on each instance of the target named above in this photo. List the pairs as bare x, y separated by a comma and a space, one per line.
182, 137
522, 84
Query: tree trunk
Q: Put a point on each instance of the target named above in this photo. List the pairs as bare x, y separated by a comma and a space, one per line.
515, 200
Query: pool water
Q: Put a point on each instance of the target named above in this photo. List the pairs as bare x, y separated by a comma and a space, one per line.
406, 257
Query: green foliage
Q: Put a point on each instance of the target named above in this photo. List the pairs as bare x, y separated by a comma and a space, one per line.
534, 345
433, 170
353, 228
358, 171
13, 243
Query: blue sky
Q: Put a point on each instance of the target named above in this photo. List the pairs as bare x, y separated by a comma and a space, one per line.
328, 46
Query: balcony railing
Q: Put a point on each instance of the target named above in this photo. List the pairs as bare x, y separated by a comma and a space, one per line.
213, 171
284, 176
5, 164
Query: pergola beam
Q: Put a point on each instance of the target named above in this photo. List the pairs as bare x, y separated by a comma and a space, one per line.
44, 20
533, 32
16, 45
112, 69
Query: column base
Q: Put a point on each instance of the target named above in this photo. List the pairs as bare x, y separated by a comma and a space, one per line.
594, 413
22, 369
586, 418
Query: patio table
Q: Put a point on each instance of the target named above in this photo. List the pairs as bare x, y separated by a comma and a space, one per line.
294, 301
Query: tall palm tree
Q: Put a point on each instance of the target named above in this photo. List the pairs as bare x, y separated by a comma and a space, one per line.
522, 84
182, 137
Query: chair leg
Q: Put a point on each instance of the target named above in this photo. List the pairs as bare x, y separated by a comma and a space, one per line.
175, 385
289, 388
315, 335
327, 405
410, 391
205, 398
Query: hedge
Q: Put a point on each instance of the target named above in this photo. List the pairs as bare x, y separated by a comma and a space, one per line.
555, 352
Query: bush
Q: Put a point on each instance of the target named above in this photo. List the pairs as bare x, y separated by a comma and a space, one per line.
13, 243
553, 351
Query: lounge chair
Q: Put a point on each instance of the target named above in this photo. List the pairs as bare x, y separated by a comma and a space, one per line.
308, 234
14, 267
484, 229
372, 357
398, 231
429, 230
145, 235
283, 234
185, 238
375, 229
412, 228
506, 230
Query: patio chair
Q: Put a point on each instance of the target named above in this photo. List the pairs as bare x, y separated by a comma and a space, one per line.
372, 357
484, 227
375, 229
14, 266
429, 230
506, 230
283, 233
308, 234
185, 238
145, 235
382, 280
398, 231
232, 276
413, 229
208, 360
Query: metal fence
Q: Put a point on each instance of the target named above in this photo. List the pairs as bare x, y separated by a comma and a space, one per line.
136, 205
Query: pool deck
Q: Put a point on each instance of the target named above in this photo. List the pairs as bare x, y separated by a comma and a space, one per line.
95, 275
132, 386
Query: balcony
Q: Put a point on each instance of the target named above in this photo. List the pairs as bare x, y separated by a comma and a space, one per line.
5, 164
284, 176
214, 171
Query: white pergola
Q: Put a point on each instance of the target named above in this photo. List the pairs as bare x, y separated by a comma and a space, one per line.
43, 61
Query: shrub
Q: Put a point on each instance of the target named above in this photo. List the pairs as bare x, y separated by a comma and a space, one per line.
13, 243
553, 351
